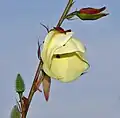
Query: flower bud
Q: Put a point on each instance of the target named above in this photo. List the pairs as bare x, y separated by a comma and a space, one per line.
91, 13
63, 56
20, 86
88, 13
15, 113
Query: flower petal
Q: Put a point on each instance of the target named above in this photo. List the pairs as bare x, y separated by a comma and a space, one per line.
46, 42
53, 41
68, 67
72, 45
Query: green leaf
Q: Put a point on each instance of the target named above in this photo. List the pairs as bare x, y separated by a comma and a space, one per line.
15, 113
20, 86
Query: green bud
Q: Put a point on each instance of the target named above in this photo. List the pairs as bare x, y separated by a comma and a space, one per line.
20, 86
15, 113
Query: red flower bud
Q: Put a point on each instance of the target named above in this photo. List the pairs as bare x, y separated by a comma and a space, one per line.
91, 10
91, 13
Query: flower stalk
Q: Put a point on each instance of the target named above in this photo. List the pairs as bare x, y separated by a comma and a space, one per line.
67, 9
32, 90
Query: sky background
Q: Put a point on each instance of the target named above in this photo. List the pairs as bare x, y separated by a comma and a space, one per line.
94, 95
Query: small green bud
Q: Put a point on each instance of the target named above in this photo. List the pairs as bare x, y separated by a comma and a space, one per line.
15, 113
20, 86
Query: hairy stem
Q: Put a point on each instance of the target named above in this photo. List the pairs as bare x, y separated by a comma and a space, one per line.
22, 108
67, 9
32, 90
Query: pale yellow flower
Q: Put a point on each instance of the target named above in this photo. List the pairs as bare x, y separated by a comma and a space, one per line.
63, 56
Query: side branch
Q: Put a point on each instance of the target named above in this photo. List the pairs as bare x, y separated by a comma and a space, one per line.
67, 9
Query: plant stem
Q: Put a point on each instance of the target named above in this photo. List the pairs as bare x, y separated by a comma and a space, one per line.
22, 107
67, 9
32, 90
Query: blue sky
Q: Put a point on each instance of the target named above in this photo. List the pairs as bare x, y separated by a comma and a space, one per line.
94, 95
